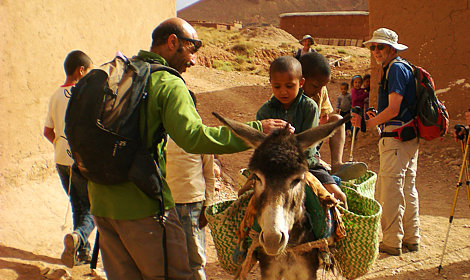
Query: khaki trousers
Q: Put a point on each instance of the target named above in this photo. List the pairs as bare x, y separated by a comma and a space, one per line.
396, 190
132, 249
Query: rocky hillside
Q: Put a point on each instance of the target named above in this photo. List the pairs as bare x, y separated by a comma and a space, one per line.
263, 11
253, 48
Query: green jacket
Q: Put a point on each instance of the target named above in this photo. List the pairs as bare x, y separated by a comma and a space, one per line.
171, 104
302, 114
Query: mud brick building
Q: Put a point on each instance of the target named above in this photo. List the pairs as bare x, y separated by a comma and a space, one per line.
436, 33
340, 28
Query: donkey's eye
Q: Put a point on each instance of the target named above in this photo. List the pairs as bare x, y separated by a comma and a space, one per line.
295, 182
256, 179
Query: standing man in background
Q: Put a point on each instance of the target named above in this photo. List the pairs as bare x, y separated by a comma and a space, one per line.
396, 189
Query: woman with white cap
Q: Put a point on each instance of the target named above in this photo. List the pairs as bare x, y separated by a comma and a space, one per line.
307, 41
396, 190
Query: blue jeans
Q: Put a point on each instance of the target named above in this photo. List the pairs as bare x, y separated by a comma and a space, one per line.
78, 195
188, 215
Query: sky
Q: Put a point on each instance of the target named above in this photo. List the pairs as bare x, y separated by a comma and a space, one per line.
180, 4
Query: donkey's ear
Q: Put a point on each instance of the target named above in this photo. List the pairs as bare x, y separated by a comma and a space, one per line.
315, 135
251, 136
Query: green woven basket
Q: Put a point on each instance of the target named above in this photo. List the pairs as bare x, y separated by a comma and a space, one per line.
356, 253
224, 218
365, 185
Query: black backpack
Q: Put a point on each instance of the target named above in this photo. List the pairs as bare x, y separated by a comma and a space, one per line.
102, 125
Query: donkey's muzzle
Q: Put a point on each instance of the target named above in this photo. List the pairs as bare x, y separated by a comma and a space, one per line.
273, 242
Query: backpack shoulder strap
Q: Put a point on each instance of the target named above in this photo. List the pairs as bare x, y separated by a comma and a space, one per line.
399, 60
160, 134
411, 67
160, 67
297, 54
156, 65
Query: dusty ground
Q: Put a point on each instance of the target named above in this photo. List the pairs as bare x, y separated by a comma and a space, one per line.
33, 217
438, 172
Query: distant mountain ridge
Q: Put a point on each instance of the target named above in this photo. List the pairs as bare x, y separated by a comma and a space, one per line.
263, 11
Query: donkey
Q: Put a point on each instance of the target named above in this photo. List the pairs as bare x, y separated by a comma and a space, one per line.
279, 165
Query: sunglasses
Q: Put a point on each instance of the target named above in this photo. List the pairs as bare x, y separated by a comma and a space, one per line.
196, 43
379, 47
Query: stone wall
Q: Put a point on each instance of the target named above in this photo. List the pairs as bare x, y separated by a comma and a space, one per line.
36, 37
436, 33
236, 25
340, 25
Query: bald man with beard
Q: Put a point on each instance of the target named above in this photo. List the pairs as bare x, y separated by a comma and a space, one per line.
130, 234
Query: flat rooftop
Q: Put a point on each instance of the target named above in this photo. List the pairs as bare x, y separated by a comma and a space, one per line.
337, 13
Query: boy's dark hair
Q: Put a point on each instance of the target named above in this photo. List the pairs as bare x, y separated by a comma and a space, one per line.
366, 76
314, 64
287, 64
345, 85
161, 33
76, 59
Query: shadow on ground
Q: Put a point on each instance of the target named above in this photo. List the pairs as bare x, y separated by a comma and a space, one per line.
9, 252
459, 271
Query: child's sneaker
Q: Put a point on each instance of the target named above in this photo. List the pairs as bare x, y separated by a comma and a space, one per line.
350, 170
83, 257
71, 242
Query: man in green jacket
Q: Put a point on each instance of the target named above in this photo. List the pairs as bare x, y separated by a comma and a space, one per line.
130, 235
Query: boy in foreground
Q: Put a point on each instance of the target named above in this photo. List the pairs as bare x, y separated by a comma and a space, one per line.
290, 104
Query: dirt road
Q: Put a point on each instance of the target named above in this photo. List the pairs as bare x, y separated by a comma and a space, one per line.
33, 204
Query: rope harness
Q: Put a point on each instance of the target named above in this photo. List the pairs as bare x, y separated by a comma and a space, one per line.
250, 262
327, 199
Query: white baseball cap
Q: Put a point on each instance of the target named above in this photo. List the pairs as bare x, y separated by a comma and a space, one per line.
386, 36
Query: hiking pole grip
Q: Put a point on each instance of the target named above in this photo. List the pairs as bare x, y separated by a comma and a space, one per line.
371, 113
356, 110
458, 129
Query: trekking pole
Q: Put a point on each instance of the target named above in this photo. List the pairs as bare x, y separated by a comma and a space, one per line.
96, 250
459, 128
356, 110
467, 177
459, 184
467, 172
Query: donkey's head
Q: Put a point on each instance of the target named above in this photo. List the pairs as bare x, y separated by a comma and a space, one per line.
279, 164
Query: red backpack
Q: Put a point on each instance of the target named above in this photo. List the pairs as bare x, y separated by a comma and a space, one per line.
431, 116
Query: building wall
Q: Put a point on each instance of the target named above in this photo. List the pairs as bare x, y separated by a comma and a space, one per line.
345, 25
36, 37
436, 33
218, 26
